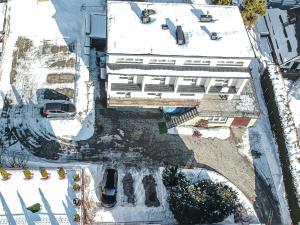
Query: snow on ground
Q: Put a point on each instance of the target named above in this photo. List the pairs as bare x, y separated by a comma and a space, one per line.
220, 133
56, 202
61, 23
294, 102
127, 212
262, 131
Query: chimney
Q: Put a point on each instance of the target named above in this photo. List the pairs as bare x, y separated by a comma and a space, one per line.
180, 39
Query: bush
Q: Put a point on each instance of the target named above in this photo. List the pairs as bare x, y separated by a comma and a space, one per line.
27, 173
61, 172
35, 208
249, 9
171, 177
76, 177
76, 187
201, 202
77, 218
4, 173
44, 173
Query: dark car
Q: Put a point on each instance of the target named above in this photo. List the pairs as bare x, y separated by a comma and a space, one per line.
108, 195
59, 110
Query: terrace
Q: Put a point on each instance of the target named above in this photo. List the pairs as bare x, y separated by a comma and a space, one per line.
55, 195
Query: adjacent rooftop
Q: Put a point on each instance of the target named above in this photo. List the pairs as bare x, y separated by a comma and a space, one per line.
127, 34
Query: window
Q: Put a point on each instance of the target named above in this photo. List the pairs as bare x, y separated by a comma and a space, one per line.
196, 62
120, 93
190, 79
221, 82
128, 78
129, 60
229, 63
289, 46
239, 63
187, 95
155, 94
161, 61
216, 119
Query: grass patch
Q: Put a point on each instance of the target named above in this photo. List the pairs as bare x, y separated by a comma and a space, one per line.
162, 128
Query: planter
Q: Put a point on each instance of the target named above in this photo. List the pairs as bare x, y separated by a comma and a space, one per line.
6, 177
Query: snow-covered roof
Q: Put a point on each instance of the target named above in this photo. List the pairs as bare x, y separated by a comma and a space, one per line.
98, 26
128, 35
282, 35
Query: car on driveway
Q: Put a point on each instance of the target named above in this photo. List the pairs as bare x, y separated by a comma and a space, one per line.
108, 189
59, 110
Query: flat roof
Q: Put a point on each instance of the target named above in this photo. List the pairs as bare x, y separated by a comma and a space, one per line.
126, 33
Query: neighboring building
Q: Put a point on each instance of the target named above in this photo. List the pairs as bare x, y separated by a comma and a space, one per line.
281, 30
3, 8
180, 55
283, 4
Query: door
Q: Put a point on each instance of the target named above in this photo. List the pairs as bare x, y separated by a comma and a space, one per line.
240, 122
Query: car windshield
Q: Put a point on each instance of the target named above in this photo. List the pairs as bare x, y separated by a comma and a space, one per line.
65, 107
109, 191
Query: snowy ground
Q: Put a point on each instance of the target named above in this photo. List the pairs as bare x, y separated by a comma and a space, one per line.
126, 212
56, 202
65, 25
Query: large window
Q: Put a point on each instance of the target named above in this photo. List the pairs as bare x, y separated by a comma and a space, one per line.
216, 119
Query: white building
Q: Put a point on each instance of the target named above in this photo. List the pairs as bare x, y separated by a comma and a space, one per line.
181, 56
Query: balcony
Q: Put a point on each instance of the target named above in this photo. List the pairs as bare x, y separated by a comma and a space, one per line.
115, 66
190, 89
125, 87
219, 90
159, 88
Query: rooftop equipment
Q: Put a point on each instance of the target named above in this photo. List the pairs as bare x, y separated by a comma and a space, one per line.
206, 18
180, 39
214, 36
146, 13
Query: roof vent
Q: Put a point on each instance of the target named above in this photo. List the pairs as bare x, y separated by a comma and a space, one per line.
214, 36
206, 18
146, 13
164, 26
180, 39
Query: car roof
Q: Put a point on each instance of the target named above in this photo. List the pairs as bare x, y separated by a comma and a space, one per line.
53, 106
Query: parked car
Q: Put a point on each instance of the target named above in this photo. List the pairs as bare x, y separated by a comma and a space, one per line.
59, 110
108, 195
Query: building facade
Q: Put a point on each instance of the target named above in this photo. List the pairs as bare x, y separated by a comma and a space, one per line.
176, 60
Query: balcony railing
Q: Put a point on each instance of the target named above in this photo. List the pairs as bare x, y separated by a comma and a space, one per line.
159, 88
222, 90
125, 87
115, 66
190, 89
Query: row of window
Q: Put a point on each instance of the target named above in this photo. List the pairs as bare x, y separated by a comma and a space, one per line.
173, 61
128, 94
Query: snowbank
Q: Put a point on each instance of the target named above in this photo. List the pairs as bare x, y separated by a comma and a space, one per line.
287, 122
220, 133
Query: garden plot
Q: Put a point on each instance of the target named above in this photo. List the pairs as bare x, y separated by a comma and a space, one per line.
55, 196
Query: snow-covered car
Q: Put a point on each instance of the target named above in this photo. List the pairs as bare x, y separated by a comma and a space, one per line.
108, 195
59, 110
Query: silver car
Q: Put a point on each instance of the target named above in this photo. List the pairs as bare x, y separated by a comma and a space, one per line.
59, 110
